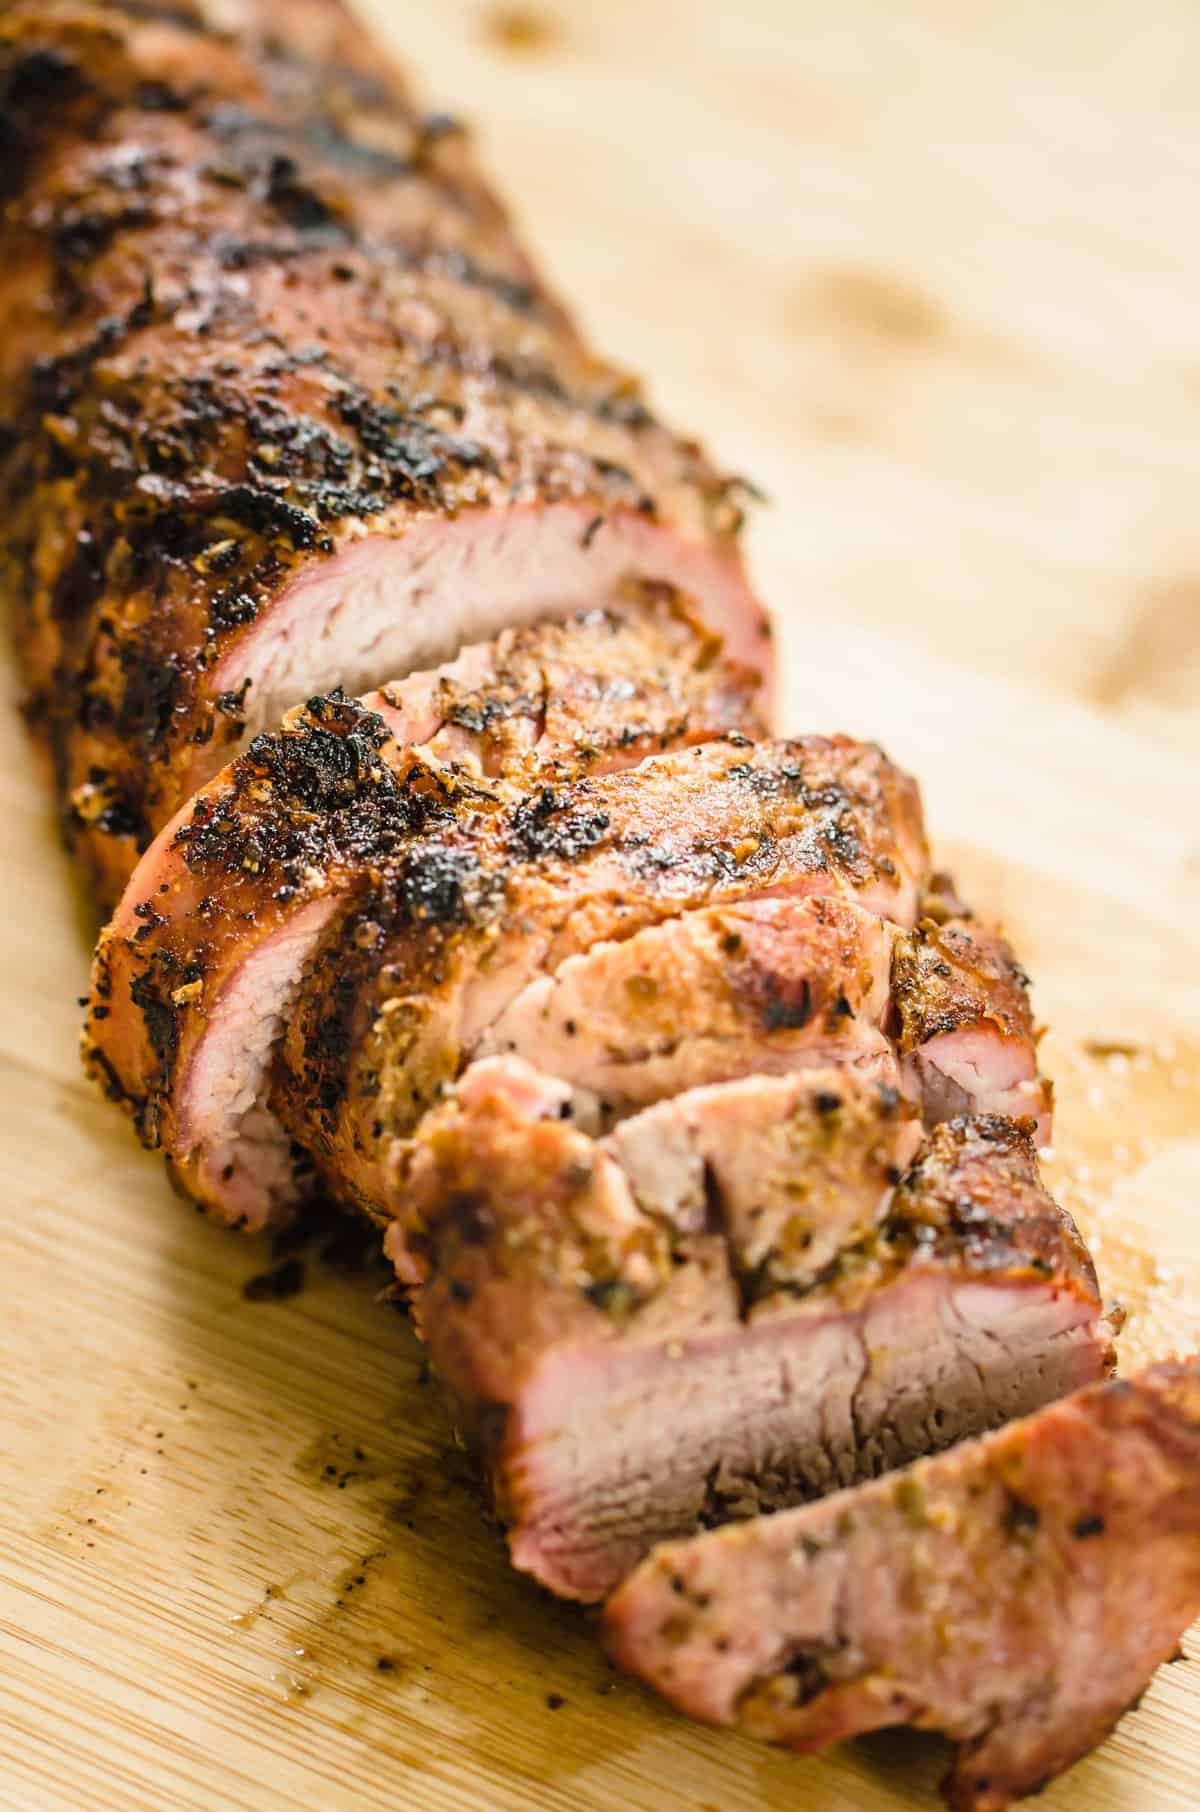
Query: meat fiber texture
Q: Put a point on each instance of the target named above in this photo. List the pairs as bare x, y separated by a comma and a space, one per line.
1015, 1594
286, 404
746, 1296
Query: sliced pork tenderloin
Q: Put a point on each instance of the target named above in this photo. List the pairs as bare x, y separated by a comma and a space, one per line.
733, 1303
1015, 1594
488, 902
762, 987
288, 407
771, 986
197, 971
966, 1038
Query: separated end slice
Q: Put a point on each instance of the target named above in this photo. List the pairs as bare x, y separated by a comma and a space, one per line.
1015, 1594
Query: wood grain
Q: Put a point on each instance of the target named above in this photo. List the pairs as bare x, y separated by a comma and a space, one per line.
923, 271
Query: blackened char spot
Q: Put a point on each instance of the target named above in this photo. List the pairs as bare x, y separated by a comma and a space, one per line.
435, 883
1020, 1516
319, 767
79, 583
413, 455
333, 797
787, 1008
33, 89
545, 828
152, 691
268, 514
810, 1675
295, 200
231, 607
158, 1013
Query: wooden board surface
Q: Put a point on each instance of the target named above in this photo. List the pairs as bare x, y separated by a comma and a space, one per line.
929, 273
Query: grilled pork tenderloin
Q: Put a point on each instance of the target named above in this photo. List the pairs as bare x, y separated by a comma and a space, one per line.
1015, 1594
226, 910
494, 898
197, 971
743, 1298
287, 406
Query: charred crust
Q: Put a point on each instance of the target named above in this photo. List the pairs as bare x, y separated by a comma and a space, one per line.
787, 1006
975, 1199
548, 826
948, 976
437, 885
158, 1015
332, 797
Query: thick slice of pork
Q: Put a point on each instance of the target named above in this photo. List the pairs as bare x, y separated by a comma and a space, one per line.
487, 903
196, 974
768, 987
758, 988
967, 1040
1015, 1594
288, 407
733, 1307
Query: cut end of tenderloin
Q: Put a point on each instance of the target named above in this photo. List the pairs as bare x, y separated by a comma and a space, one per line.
730, 1308
1015, 1594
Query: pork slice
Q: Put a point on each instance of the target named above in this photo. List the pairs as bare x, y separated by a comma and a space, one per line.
795, 1170
197, 972
591, 695
406, 986
771, 986
1015, 1594
966, 1036
757, 988
640, 1346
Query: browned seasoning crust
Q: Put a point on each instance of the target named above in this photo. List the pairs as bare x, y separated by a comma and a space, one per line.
965, 1029
943, 974
503, 890
972, 1203
255, 301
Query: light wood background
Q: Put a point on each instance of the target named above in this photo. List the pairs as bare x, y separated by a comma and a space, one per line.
929, 271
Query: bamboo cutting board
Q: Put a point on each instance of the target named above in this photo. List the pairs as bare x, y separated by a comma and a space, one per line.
928, 273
